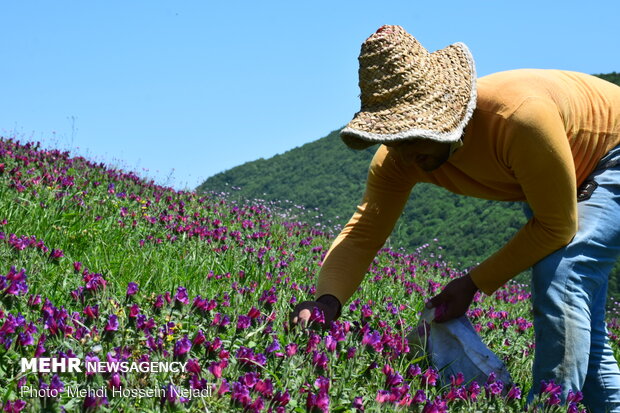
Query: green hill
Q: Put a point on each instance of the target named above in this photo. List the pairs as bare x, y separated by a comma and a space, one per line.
328, 179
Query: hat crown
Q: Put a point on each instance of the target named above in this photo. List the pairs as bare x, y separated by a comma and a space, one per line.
407, 92
392, 66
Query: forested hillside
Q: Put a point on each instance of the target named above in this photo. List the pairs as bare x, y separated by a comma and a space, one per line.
327, 176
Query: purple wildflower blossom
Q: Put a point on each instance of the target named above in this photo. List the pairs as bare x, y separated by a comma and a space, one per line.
181, 296
56, 254
14, 406
112, 324
132, 289
243, 322
182, 347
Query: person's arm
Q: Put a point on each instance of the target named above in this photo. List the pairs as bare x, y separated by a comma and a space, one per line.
540, 157
350, 255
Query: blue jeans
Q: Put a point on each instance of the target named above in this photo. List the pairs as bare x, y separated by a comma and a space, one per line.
569, 290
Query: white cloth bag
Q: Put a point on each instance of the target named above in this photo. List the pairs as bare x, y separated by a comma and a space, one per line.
455, 347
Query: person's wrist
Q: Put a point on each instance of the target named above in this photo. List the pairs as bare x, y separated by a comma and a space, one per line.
332, 302
473, 288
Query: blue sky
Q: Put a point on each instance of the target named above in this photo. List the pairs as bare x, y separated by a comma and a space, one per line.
179, 91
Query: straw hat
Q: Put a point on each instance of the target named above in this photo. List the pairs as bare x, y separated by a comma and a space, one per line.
407, 92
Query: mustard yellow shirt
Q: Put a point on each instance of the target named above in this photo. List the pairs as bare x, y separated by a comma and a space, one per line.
535, 136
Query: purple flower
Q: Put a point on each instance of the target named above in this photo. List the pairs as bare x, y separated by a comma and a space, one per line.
249, 379
474, 391
143, 324
429, 378
574, 397
383, 396
318, 402
437, 406
514, 393
181, 296
94, 282
25, 339
243, 322
193, 366
358, 403
170, 396
247, 358
313, 342
91, 312
317, 316
322, 383
494, 389
552, 390
282, 398
458, 380
77, 266
56, 254
320, 360
182, 347
112, 324
291, 349
274, 346
393, 379
57, 384
330, 343
134, 311
17, 282
373, 340
14, 406
216, 368
241, 394
88, 361
115, 381
254, 313
420, 397
34, 301
93, 403
264, 387
132, 289
40, 350
159, 302
199, 338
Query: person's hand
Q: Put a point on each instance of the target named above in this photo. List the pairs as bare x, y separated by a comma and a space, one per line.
322, 311
454, 300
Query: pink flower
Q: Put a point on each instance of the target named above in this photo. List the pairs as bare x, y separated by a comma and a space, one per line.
193, 366
514, 393
438, 406
56, 254
429, 378
216, 368
115, 381
291, 349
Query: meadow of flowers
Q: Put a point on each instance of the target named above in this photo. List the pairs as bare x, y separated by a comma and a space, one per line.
100, 265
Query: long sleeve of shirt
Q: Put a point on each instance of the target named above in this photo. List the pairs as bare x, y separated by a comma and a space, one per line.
534, 137
547, 178
354, 249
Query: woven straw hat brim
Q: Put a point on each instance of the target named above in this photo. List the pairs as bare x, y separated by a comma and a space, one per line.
439, 113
